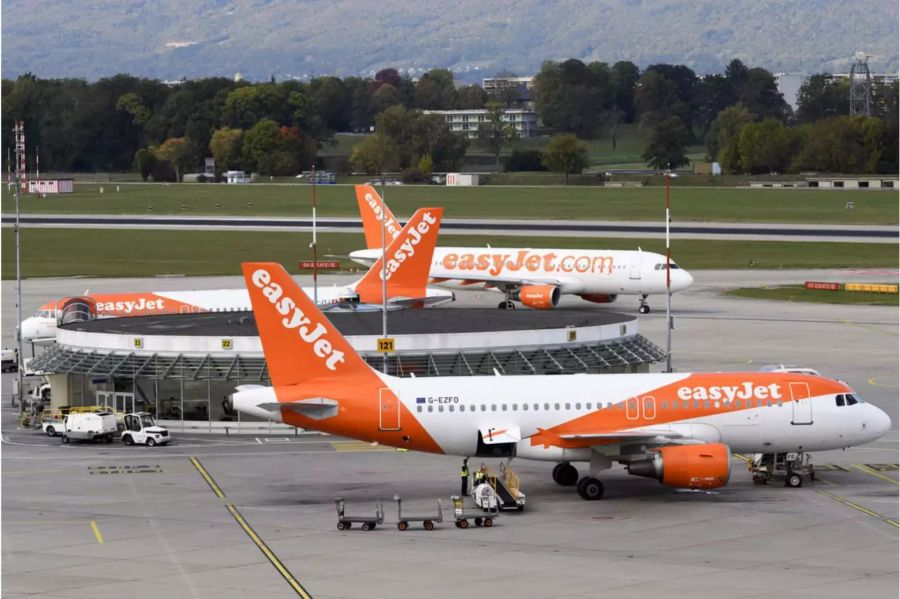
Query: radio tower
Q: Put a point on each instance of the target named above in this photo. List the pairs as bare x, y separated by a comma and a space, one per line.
860, 86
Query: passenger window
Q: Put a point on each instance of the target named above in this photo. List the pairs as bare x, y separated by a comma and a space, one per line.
568, 406
450, 408
737, 403
620, 405
546, 406
483, 408
462, 408
556, 406
503, 407
588, 406
537, 407
706, 404
515, 407
525, 407
578, 406
440, 408
696, 403
663, 405
418, 408
493, 407
431, 408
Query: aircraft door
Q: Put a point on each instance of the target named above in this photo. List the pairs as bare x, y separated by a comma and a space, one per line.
636, 261
388, 410
801, 404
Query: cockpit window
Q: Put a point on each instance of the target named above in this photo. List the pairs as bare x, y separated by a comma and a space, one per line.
851, 401
839, 400
663, 266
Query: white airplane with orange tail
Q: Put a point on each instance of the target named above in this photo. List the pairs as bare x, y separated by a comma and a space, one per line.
409, 259
535, 277
680, 429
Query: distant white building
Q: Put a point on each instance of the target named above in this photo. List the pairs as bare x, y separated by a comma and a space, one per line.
466, 122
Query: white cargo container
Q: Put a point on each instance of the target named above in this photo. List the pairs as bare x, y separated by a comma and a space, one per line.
90, 426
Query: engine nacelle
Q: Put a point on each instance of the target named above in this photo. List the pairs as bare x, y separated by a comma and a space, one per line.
539, 297
599, 298
687, 466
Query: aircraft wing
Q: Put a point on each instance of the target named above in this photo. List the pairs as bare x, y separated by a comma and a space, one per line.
590, 439
565, 284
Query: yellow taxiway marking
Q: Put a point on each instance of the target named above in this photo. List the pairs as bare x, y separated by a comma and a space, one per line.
867, 470
209, 480
858, 507
285, 573
874, 381
96, 530
358, 446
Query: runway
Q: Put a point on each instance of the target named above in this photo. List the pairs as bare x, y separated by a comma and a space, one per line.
645, 229
253, 515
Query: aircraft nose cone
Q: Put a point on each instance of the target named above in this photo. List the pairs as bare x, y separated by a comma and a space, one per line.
681, 280
28, 329
881, 422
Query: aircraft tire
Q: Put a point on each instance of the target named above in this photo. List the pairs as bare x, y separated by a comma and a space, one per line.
565, 475
590, 489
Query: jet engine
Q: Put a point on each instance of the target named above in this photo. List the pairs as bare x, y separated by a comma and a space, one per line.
539, 297
599, 298
687, 466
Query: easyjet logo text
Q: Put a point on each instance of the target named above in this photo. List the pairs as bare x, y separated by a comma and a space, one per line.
407, 249
745, 390
391, 226
294, 318
495, 263
131, 306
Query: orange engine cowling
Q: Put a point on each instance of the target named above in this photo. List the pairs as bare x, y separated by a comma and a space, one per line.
599, 298
687, 466
539, 297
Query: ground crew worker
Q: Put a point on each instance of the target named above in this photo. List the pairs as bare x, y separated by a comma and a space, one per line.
479, 475
464, 477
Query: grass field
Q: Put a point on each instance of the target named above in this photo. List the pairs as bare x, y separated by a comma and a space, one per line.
798, 293
139, 253
575, 203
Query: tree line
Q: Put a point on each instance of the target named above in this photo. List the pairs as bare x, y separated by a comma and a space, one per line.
281, 128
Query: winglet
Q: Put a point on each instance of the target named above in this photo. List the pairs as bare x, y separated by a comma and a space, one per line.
409, 260
371, 208
299, 342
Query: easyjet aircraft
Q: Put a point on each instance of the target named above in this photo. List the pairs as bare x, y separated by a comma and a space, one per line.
409, 257
533, 276
678, 428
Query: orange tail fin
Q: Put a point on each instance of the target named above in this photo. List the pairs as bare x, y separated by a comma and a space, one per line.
299, 343
371, 208
409, 260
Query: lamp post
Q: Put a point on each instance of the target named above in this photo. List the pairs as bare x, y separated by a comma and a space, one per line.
20, 157
314, 249
668, 175
383, 281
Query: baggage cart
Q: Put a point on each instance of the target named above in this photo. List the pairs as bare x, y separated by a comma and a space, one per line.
345, 521
427, 521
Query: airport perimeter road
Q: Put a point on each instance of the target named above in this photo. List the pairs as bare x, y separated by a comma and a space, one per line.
221, 517
679, 230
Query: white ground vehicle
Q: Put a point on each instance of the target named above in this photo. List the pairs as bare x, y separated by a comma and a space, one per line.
142, 430
90, 426
53, 424
10, 359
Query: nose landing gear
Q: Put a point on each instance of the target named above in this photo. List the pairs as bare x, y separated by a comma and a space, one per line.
644, 307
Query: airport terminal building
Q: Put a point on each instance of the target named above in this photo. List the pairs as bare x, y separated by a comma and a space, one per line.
182, 368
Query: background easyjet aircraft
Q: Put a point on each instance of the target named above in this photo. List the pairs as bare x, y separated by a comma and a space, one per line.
409, 258
535, 277
677, 428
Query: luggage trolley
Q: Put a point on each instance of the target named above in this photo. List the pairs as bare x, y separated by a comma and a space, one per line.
345, 522
483, 517
427, 521
791, 467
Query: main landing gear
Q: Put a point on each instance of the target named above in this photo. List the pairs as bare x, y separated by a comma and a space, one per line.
644, 308
508, 303
566, 475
